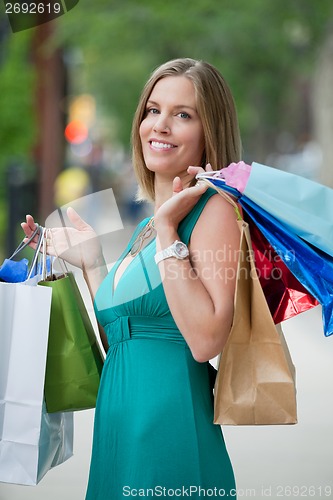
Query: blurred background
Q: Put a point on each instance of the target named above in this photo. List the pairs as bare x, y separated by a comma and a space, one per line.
69, 88
68, 91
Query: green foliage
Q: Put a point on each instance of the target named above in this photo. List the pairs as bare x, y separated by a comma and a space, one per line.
17, 122
17, 126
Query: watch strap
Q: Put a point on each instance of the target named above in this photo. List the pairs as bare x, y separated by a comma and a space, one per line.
170, 252
163, 254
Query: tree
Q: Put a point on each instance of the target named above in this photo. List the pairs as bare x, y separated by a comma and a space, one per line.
17, 123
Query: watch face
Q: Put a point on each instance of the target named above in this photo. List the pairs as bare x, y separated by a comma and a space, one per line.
181, 250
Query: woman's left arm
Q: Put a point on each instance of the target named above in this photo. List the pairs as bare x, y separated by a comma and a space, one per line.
200, 290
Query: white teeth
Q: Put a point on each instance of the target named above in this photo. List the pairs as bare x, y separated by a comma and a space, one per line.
161, 145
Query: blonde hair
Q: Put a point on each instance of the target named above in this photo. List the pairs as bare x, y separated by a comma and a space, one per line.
215, 107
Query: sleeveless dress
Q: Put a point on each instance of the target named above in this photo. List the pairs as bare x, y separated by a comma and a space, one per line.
153, 432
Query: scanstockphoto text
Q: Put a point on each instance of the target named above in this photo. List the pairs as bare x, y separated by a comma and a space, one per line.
180, 492
263, 491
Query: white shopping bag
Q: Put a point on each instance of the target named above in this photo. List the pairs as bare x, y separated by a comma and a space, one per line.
31, 441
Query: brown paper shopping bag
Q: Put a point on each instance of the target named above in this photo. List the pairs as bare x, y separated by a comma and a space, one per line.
255, 383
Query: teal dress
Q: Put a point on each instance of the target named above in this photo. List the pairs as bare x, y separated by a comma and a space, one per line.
154, 433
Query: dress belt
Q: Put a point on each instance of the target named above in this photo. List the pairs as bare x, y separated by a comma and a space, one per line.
143, 327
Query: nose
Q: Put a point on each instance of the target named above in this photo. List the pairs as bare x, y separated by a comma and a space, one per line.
161, 125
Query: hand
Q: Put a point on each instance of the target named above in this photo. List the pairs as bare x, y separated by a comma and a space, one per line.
172, 211
78, 245
199, 170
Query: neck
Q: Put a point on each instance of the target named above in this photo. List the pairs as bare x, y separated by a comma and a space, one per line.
164, 188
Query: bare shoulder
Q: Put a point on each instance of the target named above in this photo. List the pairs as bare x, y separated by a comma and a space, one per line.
214, 249
217, 222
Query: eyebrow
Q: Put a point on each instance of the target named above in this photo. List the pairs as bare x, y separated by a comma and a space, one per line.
179, 106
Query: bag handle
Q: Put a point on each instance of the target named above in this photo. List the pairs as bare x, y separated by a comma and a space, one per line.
39, 245
49, 235
224, 195
24, 244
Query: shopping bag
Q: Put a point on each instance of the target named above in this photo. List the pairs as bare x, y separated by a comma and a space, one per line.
74, 359
285, 295
305, 207
16, 271
31, 441
311, 267
255, 382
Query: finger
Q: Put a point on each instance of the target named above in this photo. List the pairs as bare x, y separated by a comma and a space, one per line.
26, 229
32, 244
197, 190
192, 170
78, 223
27, 232
177, 185
31, 222
209, 168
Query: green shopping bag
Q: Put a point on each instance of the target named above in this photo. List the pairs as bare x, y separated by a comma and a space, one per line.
74, 359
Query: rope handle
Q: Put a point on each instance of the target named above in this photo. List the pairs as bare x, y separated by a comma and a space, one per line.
49, 235
23, 244
225, 195
39, 245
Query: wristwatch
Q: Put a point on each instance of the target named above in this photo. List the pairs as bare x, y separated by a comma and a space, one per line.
178, 249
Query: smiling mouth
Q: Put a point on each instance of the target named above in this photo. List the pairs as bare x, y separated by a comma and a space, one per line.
161, 145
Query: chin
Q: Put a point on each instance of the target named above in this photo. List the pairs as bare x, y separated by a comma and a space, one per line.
163, 169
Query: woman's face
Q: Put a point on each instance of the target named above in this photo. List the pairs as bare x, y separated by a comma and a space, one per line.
171, 132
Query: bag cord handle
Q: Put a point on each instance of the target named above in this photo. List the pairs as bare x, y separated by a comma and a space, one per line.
224, 195
40, 243
49, 235
24, 244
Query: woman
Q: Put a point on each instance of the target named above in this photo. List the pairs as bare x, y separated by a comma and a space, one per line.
166, 307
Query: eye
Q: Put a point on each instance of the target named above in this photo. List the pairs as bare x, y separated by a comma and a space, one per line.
183, 115
153, 111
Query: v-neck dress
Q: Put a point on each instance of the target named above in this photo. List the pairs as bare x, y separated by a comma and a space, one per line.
153, 433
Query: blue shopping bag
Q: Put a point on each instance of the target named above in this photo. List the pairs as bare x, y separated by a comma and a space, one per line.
302, 205
17, 271
311, 266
